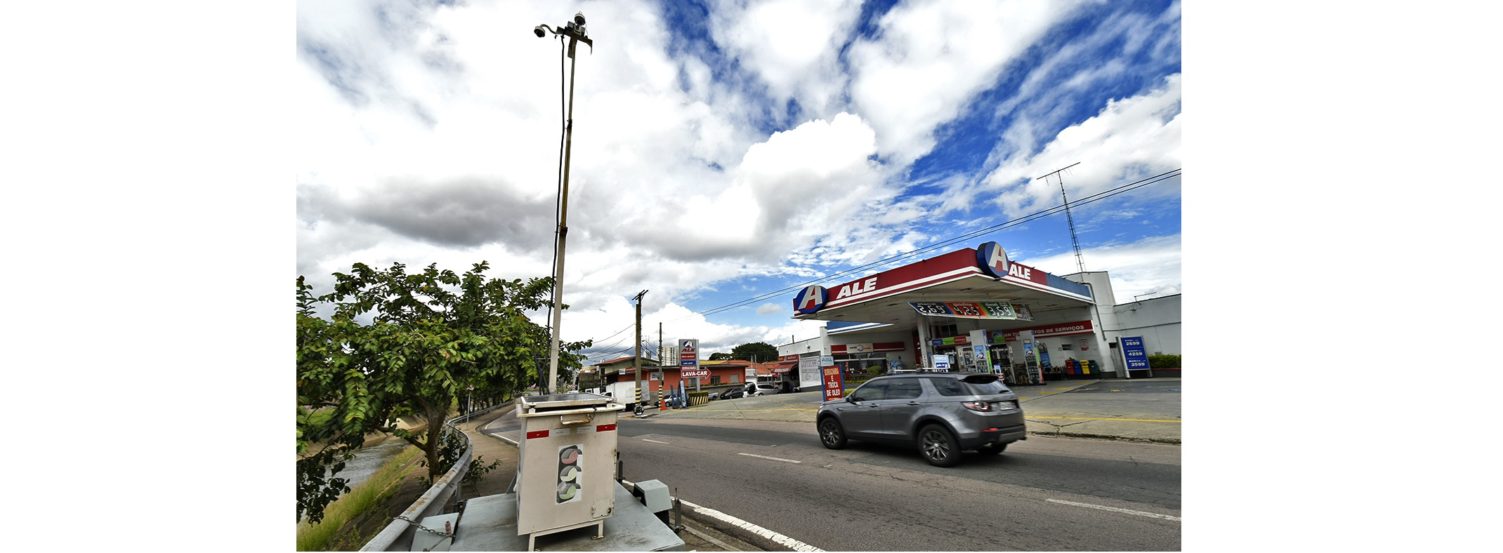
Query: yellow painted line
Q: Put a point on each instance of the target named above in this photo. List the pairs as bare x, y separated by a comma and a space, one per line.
1174, 421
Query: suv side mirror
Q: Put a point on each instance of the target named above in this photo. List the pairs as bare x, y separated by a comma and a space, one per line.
852, 399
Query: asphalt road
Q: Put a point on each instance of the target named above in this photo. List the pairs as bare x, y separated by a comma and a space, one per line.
1042, 494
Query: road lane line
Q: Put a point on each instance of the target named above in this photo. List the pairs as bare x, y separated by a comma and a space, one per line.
1114, 509
769, 458
655, 441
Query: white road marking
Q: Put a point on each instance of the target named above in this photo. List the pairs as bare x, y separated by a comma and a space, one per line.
769, 458
655, 441
1115, 509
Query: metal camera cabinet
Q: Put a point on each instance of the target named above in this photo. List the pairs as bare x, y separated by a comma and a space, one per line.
567, 463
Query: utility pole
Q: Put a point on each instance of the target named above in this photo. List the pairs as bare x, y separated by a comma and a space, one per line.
1079, 261
575, 31
637, 360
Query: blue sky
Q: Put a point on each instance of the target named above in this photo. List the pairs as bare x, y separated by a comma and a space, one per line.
726, 150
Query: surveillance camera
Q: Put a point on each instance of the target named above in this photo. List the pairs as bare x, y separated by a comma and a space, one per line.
579, 18
539, 30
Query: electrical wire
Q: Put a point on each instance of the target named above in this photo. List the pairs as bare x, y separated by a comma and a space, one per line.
558, 193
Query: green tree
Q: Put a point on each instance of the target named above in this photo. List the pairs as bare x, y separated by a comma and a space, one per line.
719, 356
430, 337
761, 352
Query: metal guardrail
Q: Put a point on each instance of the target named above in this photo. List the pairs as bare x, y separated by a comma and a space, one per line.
397, 536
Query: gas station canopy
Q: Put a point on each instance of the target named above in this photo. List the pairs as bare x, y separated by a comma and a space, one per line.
958, 280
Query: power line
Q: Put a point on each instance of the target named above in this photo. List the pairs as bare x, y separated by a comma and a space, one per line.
1025, 219
613, 334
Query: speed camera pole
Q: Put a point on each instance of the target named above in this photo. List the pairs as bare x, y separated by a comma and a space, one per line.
575, 32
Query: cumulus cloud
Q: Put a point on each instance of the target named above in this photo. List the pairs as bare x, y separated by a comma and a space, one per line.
769, 308
929, 58
792, 46
1128, 139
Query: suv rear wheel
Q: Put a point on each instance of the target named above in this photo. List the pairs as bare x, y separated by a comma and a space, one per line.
831, 434
938, 446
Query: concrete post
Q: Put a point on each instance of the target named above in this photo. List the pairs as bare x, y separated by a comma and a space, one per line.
924, 347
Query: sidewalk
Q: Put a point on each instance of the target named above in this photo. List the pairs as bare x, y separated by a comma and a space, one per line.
1120, 410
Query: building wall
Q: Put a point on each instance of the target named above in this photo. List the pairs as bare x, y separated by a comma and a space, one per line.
1157, 320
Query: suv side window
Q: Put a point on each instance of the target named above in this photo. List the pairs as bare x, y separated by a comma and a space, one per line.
949, 387
871, 391
904, 388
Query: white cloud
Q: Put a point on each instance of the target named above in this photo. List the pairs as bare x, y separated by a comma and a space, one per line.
1129, 139
769, 308
931, 57
791, 45
1147, 267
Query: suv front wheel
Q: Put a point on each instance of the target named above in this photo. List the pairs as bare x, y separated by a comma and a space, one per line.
938, 446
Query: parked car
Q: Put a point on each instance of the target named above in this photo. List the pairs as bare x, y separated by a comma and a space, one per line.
767, 389
733, 393
941, 414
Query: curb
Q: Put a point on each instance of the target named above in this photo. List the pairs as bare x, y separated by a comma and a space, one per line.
1110, 437
763, 538
745, 531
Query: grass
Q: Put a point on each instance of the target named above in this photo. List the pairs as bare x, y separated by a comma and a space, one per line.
360, 499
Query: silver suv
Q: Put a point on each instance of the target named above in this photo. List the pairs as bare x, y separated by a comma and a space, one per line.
940, 414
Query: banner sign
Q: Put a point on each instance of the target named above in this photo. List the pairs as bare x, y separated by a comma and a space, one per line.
961, 340
941, 362
874, 347
808, 371
688, 353
1061, 329
1133, 352
834, 383
973, 310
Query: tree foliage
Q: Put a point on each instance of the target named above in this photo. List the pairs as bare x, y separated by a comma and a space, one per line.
761, 352
407, 345
719, 356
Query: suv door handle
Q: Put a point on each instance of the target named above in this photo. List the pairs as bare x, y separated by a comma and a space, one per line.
913, 403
